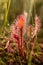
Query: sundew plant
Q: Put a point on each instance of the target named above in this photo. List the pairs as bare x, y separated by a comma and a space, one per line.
20, 31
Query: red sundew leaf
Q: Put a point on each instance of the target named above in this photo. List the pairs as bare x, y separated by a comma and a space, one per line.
18, 32
8, 44
8, 47
37, 24
33, 31
16, 37
21, 22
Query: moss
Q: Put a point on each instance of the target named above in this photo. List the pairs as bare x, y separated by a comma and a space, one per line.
2, 62
1, 49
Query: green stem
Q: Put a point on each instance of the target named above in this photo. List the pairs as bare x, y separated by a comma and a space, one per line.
30, 58
19, 59
6, 15
36, 47
30, 13
30, 10
7, 11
